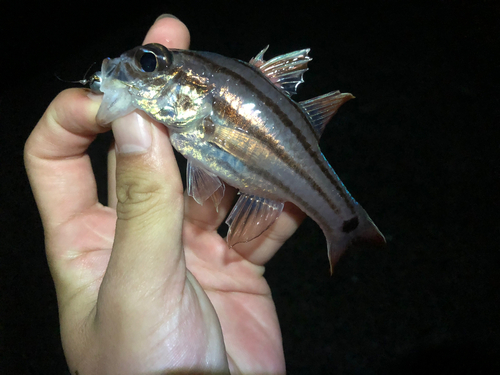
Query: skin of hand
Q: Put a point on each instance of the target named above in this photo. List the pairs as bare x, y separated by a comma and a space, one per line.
146, 285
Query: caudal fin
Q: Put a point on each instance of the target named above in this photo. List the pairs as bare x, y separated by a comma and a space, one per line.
359, 230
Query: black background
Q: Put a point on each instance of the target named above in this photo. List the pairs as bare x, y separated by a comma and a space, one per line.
417, 148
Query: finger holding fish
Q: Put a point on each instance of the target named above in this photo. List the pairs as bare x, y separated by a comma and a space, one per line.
171, 32
144, 173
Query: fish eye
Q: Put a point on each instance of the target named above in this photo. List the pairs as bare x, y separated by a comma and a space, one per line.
153, 57
148, 62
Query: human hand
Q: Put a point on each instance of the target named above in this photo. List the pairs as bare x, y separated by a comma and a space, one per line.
146, 285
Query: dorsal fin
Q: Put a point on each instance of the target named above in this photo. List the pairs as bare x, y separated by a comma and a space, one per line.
285, 71
322, 108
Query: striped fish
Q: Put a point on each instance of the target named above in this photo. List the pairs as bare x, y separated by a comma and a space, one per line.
236, 123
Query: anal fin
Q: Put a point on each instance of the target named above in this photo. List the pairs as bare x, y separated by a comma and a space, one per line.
202, 185
250, 217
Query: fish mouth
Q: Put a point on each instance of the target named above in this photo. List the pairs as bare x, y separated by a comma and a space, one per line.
117, 100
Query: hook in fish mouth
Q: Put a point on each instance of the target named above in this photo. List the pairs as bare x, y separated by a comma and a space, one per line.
94, 82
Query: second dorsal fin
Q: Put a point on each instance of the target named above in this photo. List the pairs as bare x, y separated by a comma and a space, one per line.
285, 71
322, 108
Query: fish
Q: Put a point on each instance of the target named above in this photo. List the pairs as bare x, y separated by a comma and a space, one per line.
236, 123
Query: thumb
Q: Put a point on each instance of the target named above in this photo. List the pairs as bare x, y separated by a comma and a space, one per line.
147, 250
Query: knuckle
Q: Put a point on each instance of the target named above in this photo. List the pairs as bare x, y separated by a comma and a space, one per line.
138, 197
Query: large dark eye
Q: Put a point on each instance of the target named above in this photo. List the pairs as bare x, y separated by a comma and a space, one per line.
148, 62
151, 58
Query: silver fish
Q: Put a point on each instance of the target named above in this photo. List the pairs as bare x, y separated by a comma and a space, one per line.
236, 123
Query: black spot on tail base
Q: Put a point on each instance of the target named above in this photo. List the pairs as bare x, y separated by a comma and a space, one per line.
350, 225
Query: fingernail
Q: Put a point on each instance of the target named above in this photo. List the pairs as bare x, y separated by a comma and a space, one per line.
166, 15
132, 134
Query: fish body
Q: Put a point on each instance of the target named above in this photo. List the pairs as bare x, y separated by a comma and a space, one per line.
236, 123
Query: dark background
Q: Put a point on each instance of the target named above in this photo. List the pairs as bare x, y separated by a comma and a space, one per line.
417, 148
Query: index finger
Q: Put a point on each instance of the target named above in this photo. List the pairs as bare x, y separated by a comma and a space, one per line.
58, 167
55, 157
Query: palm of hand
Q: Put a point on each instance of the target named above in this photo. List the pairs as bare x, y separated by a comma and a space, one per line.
235, 286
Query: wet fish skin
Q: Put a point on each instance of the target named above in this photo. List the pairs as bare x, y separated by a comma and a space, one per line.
234, 123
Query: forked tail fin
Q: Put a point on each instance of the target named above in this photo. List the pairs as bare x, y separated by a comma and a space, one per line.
356, 231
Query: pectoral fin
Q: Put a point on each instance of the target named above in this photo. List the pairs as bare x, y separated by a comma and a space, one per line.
250, 217
202, 185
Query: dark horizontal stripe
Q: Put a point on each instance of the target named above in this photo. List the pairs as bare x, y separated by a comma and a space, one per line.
269, 177
297, 132
275, 147
290, 125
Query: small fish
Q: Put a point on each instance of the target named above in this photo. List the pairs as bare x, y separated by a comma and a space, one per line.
235, 123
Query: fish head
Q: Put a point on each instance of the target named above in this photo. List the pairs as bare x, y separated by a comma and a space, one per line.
135, 80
